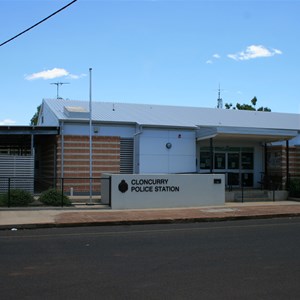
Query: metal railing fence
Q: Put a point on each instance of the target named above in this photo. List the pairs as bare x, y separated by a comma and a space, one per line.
77, 189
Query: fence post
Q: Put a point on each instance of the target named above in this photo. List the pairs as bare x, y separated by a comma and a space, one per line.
62, 192
8, 192
242, 191
109, 178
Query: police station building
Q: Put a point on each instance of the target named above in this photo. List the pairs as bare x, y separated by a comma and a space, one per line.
160, 139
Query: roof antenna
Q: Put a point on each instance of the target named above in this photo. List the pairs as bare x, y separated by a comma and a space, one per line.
220, 100
57, 89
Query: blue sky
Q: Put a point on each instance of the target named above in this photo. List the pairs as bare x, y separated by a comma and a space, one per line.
155, 52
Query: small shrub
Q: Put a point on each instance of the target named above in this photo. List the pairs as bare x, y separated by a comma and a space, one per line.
294, 187
54, 197
16, 198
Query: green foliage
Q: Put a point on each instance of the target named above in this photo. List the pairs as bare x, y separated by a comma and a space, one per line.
35, 117
54, 197
254, 101
229, 106
244, 107
251, 106
294, 187
16, 198
264, 109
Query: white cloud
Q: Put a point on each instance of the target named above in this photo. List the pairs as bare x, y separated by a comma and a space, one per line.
53, 73
48, 74
7, 122
254, 51
73, 76
276, 51
214, 57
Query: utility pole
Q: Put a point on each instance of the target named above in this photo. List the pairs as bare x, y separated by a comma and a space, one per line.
57, 88
91, 138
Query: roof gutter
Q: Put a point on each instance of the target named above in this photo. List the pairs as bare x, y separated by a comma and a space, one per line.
140, 128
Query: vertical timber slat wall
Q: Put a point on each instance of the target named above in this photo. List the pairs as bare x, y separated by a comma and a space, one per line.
105, 154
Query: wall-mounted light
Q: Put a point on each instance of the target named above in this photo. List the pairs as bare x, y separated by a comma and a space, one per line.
168, 145
96, 130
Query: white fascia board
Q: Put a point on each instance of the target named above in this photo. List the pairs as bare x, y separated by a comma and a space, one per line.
180, 127
257, 131
210, 132
204, 133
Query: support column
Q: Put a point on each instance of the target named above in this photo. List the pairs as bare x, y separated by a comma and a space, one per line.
211, 156
266, 160
32, 145
287, 152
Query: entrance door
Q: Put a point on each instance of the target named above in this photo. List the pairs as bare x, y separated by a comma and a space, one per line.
233, 169
236, 162
247, 166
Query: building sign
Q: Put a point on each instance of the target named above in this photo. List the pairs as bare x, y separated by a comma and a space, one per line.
163, 191
148, 186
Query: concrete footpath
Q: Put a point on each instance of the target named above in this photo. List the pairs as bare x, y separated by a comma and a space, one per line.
84, 215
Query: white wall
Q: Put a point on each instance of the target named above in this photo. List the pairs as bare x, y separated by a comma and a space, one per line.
164, 191
102, 130
259, 161
155, 157
136, 154
47, 117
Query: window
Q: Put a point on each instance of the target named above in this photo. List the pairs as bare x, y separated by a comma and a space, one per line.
220, 161
233, 161
204, 160
227, 158
247, 161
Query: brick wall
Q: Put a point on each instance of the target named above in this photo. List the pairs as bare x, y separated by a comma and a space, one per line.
76, 167
277, 158
294, 156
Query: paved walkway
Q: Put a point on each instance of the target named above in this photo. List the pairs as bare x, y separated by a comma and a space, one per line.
11, 218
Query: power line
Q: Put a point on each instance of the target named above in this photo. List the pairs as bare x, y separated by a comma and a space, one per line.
38, 23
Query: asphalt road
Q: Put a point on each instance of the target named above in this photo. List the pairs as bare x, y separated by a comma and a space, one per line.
255, 259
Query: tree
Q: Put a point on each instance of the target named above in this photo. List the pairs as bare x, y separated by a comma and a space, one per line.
35, 117
251, 106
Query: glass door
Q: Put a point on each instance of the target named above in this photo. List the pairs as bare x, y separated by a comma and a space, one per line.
233, 160
233, 168
247, 167
220, 161
236, 162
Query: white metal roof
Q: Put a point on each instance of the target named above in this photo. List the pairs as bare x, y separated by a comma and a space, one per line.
177, 116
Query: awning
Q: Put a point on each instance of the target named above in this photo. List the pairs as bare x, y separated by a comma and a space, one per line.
264, 135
